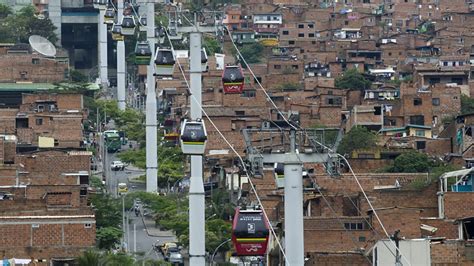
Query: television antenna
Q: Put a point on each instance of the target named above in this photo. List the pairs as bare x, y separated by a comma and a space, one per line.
42, 45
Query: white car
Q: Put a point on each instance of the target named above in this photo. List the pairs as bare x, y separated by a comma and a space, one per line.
117, 166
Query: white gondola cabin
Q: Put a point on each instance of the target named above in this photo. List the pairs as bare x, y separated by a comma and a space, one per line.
164, 62
143, 24
193, 137
128, 25
117, 32
109, 16
204, 65
160, 34
142, 53
100, 4
233, 79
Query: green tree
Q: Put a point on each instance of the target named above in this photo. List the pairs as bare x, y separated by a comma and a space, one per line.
25, 23
352, 79
108, 212
5, 11
412, 162
77, 76
108, 237
467, 104
251, 52
357, 138
92, 258
212, 45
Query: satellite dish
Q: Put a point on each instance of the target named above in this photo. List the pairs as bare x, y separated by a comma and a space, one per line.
42, 45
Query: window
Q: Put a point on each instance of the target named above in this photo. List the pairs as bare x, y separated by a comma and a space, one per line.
301, 50
240, 113
35, 61
417, 101
434, 81
354, 226
88, 225
458, 81
310, 26
291, 42
366, 156
258, 80
378, 110
421, 145
249, 94
300, 26
389, 54
419, 133
346, 22
311, 35
301, 35
285, 32
276, 66
294, 66
445, 63
39, 121
435, 101
417, 120
313, 42
21, 123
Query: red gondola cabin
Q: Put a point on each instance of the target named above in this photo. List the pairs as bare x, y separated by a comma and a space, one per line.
250, 233
233, 79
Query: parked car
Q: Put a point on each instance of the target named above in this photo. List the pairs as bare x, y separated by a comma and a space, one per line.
117, 166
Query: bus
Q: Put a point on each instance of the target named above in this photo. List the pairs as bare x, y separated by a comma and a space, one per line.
112, 141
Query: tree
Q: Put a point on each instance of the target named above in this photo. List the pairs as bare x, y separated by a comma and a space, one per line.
91, 258
412, 162
352, 79
212, 45
25, 23
467, 104
5, 11
357, 138
108, 237
108, 212
252, 53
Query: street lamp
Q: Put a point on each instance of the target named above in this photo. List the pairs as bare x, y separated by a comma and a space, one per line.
217, 248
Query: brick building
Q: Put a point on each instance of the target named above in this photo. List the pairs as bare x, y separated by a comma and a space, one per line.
44, 213
46, 120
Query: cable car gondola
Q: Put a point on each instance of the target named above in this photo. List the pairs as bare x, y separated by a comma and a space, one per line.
193, 137
164, 62
128, 25
142, 24
117, 32
142, 53
109, 16
250, 232
233, 79
99, 4
204, 60
160, 34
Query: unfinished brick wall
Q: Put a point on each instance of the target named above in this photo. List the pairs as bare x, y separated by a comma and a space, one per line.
341, 259
458, 204
33, 67
47, 167
446, 228
447, 253
42, 240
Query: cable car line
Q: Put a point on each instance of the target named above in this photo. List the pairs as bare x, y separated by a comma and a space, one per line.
319, 143
277, 240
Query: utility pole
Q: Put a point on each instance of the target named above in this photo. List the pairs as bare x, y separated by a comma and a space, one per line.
102, 30
121, 64
262, 154
197, 243
396, 238
151, 126
294, 233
